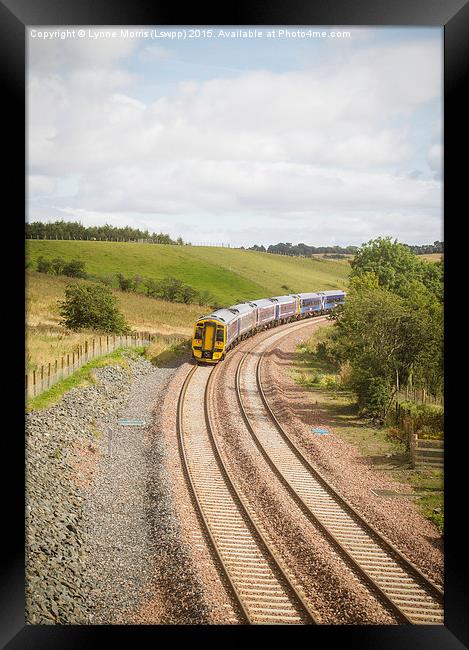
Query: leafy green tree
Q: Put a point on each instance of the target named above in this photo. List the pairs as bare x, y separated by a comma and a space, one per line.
91, 306
392, 263
187, 294
388, 339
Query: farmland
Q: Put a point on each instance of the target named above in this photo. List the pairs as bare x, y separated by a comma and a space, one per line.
230, 275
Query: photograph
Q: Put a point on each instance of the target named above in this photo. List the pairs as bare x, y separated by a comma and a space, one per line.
234, 310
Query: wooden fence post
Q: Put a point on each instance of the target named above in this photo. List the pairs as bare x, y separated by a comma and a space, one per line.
48, 376
34, 383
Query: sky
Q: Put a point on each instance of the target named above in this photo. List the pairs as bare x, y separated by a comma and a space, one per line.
217, 137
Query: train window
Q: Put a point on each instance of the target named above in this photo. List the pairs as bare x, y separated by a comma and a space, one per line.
219, 334
198, 333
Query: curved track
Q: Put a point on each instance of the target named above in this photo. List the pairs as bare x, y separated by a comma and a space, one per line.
402, 588
264, 591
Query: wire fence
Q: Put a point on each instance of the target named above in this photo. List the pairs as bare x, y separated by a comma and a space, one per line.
39, 380
418, 395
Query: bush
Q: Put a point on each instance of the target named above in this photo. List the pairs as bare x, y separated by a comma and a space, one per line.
427, 420
373, 394
57, 266
125, 284
43, 266
74, 269
92, 307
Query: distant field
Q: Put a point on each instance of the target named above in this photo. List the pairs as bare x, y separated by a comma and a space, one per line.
432, 257
230, 275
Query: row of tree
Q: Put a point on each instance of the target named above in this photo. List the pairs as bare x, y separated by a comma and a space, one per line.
169, 288
390, 330
303, 250
75, 230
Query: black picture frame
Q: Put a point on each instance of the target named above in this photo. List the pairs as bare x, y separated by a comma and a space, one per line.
453, 15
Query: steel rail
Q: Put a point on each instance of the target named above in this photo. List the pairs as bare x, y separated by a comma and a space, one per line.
275, 592
377, 537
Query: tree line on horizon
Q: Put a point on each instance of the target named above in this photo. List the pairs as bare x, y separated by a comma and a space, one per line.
303, 250
76, 230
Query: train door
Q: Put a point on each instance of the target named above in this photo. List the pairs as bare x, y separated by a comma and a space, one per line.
209, 337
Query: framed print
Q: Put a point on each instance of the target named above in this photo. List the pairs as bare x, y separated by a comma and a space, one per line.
241, 306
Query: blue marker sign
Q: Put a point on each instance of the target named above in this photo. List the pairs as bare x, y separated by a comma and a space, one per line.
320, 431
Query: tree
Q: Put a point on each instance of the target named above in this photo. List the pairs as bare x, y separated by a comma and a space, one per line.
388, 338
91, 306
392, 263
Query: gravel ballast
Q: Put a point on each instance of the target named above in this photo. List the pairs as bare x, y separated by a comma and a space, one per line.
103, 545
352, 474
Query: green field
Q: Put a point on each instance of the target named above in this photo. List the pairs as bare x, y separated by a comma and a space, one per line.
230, 275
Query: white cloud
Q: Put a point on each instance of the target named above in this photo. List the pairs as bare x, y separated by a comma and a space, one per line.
275, 145
41, 185
435, 158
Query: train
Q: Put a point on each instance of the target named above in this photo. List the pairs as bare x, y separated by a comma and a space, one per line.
218, 332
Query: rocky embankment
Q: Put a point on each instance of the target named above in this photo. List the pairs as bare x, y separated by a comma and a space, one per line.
101, 535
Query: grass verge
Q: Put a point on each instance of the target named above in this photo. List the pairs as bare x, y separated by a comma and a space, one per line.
386, 452
82, 377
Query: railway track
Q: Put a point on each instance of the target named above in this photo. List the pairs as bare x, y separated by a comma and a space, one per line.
399, 584
261, 586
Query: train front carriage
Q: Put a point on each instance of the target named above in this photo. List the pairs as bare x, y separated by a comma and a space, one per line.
210, 336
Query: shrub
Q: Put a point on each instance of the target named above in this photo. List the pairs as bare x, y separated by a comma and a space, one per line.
43, 266
372, 392
125, 284
92, 307
74, 269
205, 298
57, 266
427, 420
170, 289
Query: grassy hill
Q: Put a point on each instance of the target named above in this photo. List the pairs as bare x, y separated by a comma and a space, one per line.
47, 340
230, 275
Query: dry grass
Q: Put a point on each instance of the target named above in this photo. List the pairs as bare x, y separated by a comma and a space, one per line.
47, 340
431, 257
